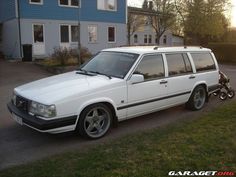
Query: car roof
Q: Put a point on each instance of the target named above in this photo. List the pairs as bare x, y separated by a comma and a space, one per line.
157, 49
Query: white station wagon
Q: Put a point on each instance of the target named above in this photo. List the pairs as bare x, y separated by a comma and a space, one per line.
115, 85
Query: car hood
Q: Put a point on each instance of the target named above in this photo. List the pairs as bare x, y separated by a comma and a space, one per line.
51, 89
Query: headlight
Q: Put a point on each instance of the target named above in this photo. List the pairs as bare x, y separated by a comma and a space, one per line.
42, 110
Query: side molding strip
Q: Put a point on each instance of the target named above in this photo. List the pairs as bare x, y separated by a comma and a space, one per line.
152, 100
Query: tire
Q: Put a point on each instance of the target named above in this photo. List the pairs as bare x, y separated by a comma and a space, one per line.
197, 99
231, 94
223, 96
95, 121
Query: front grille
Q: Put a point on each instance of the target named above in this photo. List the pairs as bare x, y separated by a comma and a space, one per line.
22, 103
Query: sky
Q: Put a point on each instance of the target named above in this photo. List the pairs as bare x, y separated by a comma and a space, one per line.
233, 11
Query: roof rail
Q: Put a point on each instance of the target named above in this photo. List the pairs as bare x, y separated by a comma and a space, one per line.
193, 46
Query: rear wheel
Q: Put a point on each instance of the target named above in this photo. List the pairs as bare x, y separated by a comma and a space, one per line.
95, 121
197, 99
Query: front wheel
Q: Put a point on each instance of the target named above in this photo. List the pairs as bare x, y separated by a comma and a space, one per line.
95, 121
197, 99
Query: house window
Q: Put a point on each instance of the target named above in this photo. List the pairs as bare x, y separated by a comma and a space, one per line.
74, 3
164, 39
145, 39
69, 3
135, 38
148, 21
64, 34
38, 33
110, 5
111, 34
150, 39
74, 33
156, 40
40, 2
92, 33
69, 33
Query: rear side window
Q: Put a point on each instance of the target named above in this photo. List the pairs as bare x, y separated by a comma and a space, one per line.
151, 67
178, 64
203, 61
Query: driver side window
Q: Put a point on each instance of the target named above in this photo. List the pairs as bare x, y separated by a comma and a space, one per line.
151, 67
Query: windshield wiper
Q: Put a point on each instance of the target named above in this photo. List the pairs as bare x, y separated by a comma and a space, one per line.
84, 72
96, 72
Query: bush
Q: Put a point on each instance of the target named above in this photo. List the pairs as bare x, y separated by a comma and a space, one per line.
224, 52
65, 56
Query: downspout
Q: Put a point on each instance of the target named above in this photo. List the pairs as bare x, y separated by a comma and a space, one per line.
19, 27
79, 35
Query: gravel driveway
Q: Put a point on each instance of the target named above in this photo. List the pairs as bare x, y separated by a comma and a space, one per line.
19, 144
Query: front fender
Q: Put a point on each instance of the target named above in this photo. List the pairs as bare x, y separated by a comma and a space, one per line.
94, 101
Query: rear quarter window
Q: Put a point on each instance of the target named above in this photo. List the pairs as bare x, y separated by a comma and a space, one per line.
203, 61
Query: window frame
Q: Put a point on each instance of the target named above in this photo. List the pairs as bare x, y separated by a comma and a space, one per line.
164, 40
145, 39
111, 42
93, 42
70, 34
111, 10
69, 4
149, 39
36, 3
203, 71
135, 38
181, 74
42, 24
140, 60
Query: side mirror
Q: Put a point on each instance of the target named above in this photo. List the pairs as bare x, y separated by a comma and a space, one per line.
136, 78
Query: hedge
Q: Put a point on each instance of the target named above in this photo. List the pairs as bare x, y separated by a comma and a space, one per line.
224, 52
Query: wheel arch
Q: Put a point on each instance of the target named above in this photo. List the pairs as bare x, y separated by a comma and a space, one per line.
204, 84
109, 103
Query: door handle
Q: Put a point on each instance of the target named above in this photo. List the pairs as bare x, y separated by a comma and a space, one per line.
192, 77
163, 82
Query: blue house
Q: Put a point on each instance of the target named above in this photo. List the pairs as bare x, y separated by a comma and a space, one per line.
47, 24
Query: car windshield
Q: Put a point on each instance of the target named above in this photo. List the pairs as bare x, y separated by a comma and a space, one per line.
112, 64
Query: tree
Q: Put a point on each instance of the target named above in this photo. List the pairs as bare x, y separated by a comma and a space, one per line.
163, 17
202, 20
133, 24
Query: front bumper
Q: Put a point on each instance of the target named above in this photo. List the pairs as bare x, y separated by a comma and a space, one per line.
41, 124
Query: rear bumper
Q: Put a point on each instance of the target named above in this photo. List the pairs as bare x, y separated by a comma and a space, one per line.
41, 124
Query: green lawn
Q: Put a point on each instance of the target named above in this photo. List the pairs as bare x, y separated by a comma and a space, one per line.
207, 143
